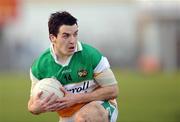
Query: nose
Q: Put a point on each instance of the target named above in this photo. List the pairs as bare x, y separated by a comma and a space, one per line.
72, 39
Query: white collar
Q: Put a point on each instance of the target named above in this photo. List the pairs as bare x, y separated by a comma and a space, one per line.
78, 48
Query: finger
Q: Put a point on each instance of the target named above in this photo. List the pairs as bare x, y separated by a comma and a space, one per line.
61, 106
52, 100
48, 98
52, 107
60, 100
56, 107
39, 94
63, 90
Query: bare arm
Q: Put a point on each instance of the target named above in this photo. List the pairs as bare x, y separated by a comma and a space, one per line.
102, 93
108, 90
108, 87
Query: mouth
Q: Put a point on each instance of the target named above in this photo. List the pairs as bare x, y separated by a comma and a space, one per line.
72, 48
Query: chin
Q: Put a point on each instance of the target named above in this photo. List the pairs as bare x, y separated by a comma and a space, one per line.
70, 53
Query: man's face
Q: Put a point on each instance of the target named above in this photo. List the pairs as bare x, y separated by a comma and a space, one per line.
66, 40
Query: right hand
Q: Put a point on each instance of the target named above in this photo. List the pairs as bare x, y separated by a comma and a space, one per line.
43, 105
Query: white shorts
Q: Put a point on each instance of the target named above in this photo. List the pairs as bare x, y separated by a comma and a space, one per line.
112, 110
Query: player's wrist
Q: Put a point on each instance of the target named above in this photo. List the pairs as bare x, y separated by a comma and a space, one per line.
36, 110
84, 97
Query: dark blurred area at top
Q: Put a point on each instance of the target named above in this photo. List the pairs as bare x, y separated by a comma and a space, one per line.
136, 35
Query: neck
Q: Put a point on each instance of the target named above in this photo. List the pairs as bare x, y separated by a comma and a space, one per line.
61, 57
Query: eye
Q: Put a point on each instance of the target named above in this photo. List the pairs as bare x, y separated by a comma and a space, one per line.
75, 34
65, 36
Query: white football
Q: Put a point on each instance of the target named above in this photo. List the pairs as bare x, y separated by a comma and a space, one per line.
48, 86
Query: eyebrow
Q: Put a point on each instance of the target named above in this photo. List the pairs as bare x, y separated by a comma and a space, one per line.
69, 33
76, 31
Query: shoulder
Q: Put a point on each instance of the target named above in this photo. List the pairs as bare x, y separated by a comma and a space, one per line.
43, 58
88, 49
93, 55
99, 61
41, 62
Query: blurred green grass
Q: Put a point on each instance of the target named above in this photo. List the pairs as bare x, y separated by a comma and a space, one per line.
142, 98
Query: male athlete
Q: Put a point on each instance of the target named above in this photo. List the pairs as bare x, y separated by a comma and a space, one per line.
88, 83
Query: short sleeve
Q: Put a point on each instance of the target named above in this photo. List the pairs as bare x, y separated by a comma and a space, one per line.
102, 65
34, 80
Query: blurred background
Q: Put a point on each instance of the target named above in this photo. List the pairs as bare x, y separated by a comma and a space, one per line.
141, 39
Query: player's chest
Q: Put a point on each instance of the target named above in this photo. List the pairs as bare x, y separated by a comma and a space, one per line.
75, 72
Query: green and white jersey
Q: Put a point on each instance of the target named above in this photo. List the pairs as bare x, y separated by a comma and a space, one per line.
77, 74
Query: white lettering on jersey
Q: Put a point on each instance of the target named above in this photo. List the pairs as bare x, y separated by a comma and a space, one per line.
82, 87
66, 71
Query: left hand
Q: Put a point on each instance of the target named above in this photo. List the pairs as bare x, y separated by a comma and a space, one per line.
68, 100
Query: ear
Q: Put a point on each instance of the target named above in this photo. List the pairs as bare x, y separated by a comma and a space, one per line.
52, 38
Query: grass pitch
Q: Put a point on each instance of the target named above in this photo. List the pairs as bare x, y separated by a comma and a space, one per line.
142, 98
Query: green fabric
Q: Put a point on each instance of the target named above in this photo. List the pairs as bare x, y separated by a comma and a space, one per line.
80, 67
110, 108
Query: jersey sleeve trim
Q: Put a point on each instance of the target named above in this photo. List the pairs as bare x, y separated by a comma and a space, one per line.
106, 78
34, 80
103, 65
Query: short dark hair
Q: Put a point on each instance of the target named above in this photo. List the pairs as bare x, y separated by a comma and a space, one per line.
58, 19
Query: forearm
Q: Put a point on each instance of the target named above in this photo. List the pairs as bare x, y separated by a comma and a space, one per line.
106, 91
102, 93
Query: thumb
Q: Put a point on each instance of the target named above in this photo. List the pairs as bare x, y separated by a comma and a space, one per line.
63, 90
